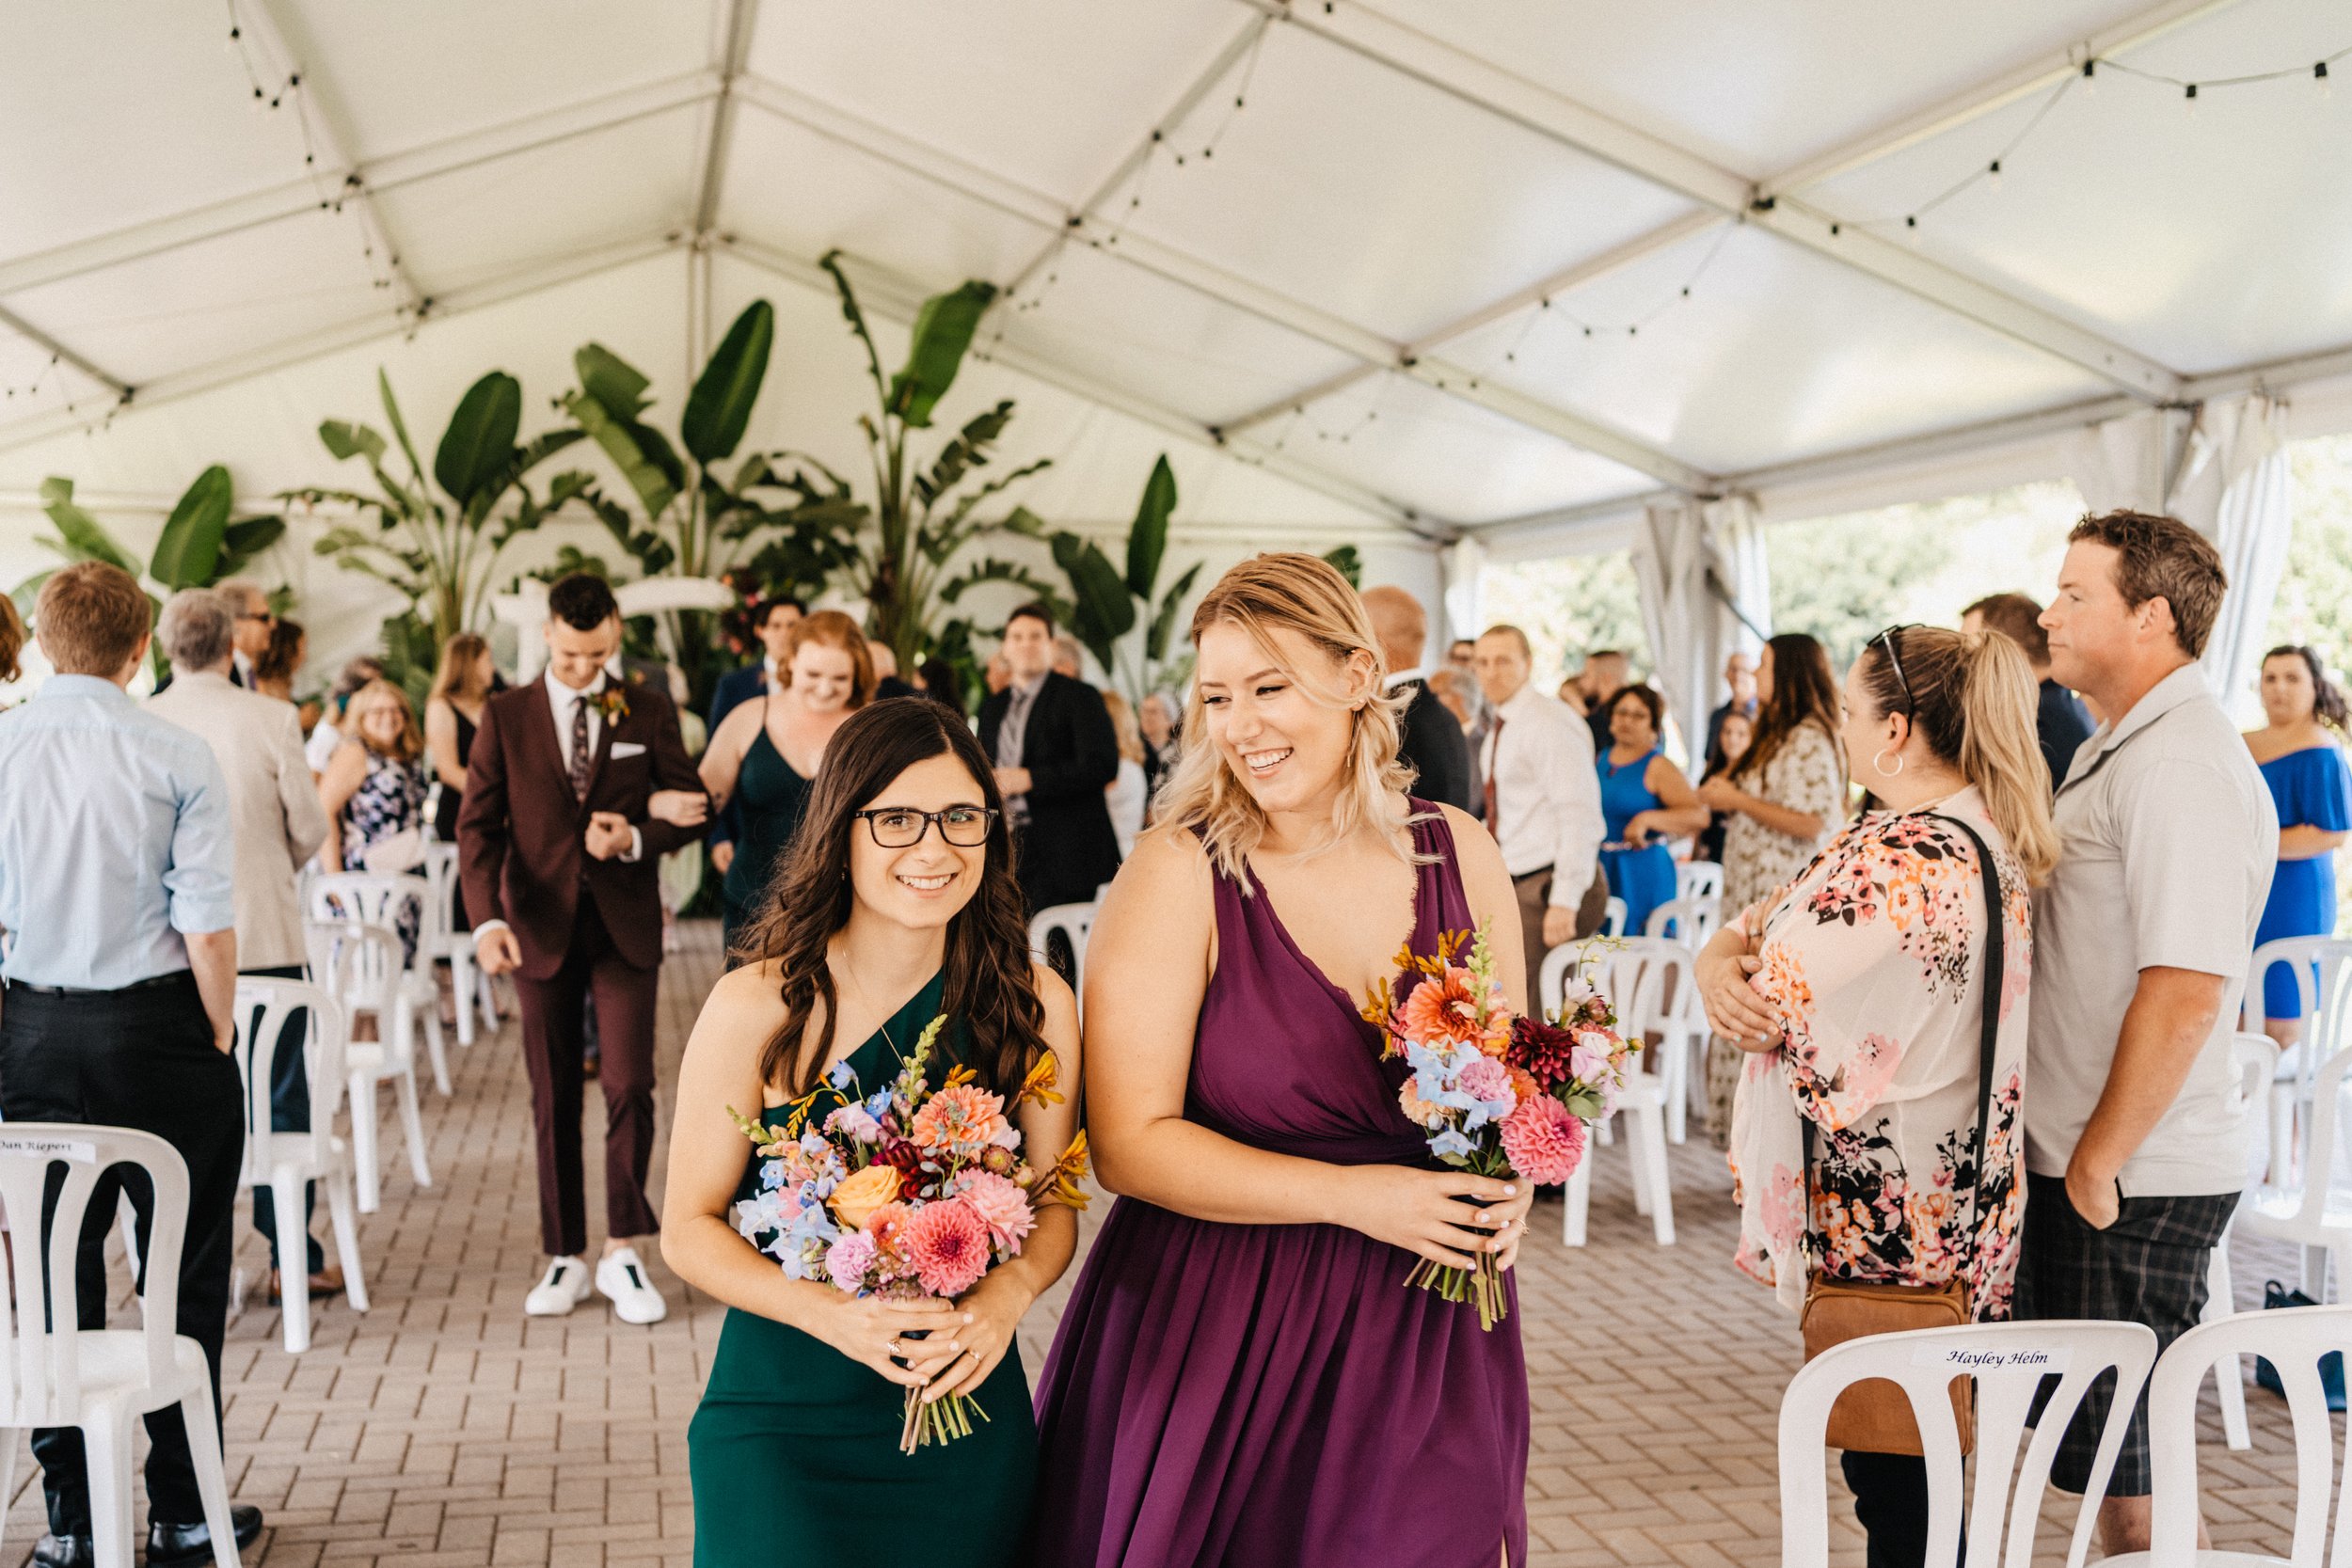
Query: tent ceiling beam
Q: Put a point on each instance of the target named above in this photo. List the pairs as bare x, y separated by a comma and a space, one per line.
743, 17
568, 268
1214, 282
1495, 90
451, 155
894, 298
331, 136
1574, 276
23, 329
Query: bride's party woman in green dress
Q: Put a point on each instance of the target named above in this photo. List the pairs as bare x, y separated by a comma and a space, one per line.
896, 904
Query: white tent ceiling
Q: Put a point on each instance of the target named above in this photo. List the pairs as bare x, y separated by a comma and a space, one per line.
1432, 263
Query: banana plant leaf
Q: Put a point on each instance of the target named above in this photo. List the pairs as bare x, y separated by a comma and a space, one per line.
720, 407
477, 450
1164, 624
244, 539
85, 538
1102, 610
831, 262
343, 439
1147, 541
611, 380
942, 333
625, 441
1349, 564
968, 451
188, 554
400, 426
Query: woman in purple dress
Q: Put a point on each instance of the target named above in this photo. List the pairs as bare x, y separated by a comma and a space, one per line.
1242, 1378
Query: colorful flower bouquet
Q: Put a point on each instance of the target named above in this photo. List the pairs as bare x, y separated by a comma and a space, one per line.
907, 1192
1498, 1094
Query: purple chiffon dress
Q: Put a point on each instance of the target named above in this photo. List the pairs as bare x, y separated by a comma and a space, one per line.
1273, 1396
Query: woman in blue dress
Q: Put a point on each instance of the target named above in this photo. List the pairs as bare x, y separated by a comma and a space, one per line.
2299, 754
1646, 802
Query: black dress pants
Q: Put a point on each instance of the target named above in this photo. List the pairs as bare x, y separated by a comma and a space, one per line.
1890, 1501
142, 1058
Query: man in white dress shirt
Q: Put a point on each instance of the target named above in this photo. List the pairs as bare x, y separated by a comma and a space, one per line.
1542, 800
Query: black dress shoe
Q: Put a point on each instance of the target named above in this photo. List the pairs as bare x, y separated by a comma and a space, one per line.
191, 1546
63, 1551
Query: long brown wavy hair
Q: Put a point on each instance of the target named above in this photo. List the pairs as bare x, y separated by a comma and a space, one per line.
991, 988
1804, 692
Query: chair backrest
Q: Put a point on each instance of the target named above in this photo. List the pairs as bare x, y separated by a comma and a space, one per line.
441, 878
264, 1007
40, 1381
2322, 968
2318, 1135
1692, 922
357, 963
2256, 1058
1075, 922
1613, 917
1698, 879
2292, 1339
1641, 976
364, 897
2009, 1362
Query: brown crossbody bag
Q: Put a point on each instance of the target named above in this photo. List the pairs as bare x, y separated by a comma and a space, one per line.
1874, 1415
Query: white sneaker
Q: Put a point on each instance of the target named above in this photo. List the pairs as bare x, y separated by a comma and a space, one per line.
565, 1288
622, 1278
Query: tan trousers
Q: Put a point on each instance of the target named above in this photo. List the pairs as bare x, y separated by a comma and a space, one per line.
1534, 893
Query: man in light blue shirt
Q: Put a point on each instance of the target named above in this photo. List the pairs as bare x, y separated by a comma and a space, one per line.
116, 856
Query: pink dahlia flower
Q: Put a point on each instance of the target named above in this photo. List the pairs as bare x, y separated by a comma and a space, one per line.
1002, 1205
947, 1243
1543, 1141
1485, 1079
959, 1115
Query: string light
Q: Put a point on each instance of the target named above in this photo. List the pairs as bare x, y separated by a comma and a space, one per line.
1549, 308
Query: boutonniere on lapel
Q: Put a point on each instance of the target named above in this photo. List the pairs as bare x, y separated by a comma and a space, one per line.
612, 702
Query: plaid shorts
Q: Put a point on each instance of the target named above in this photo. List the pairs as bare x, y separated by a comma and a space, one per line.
2148, 1267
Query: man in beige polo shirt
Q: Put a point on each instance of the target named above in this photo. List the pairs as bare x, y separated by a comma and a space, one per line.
2142, 941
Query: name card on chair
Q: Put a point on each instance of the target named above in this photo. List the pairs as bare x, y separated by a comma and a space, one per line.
1992, 1360
54, 1148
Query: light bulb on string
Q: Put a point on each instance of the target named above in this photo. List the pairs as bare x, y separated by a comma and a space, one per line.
1993, 175
2188, 101
1910, 229
2090, 78
2319, 76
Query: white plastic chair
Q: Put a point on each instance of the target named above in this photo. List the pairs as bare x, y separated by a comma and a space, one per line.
1694, 920
1698, 879
1634, 978
1075, 922
2308, 1212
2009, 1362
362, 897
285, 1163
1613, 918
2292, 1339
2322, 968
469, 984
2257, 1060
359, 966
101, 1380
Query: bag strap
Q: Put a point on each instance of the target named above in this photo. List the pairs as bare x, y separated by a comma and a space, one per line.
1988, 1034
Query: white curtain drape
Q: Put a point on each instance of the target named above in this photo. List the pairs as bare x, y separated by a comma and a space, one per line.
1701, 569
1460, 566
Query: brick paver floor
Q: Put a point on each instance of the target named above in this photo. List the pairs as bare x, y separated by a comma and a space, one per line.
443, 1427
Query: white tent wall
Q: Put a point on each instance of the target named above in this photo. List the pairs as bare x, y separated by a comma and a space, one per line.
130, 468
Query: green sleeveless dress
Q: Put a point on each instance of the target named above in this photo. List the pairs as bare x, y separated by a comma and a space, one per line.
776, 799
794, 1452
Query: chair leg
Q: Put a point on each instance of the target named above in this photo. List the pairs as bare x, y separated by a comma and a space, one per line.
8, 1475
365, 1158
1678, 1076
437, 1048
1637, 1165
294, 1258
212, 1475
107, 1460
339, 1211
1578, 1201
412, 1125
461, 990
2228, 1372
1650, 1152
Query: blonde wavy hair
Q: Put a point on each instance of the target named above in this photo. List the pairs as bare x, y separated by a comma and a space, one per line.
1287, 590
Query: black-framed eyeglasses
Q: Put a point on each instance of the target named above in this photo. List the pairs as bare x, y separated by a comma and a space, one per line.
903, 826
1886, 641
264, 615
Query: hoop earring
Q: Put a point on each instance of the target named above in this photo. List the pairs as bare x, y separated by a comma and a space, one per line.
1878, 765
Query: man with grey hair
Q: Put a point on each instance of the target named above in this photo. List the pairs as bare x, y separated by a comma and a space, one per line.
278, 822
252, 621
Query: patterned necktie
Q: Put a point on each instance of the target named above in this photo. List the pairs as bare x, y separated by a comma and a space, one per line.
582, 758
1494, 761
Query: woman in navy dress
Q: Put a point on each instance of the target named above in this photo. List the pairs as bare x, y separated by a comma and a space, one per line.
2303, 761
1646, 802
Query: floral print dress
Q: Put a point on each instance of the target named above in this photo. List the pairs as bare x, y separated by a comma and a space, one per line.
1805, 774
1874, 960
390, 801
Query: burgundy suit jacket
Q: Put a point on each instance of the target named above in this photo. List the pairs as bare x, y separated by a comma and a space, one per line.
522, 838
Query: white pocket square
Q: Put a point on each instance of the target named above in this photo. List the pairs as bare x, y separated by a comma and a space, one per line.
627, 749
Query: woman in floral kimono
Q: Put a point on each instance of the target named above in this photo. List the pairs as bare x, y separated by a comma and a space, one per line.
1857, 992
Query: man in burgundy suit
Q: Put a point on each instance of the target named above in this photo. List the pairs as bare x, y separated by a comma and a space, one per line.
559, 852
